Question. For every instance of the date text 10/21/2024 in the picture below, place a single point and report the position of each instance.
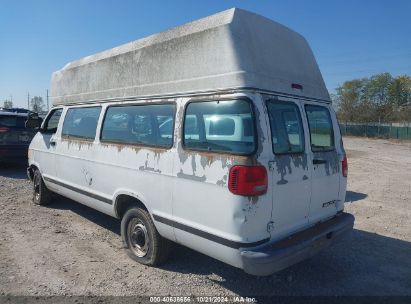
(202, 299)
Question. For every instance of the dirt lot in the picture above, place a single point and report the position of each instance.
(69, 249)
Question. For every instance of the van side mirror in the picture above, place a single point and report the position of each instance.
(33, 123)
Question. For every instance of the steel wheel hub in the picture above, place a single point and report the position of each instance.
(138, 238)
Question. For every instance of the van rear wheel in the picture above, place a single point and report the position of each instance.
(143, 242)
(41, 194)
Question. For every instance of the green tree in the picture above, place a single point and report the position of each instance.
(37, 104)
(348, 99)
(380, 98)
(377, 89)
(7, 104)
(400, 90)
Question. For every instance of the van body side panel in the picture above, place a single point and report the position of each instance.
(74, 170)
(139, 172)
(102, 171)
(76, 174)
(202, 201)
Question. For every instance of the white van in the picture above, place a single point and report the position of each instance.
(218, 135)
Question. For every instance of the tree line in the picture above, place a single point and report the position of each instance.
(379, 98)
(36, 104)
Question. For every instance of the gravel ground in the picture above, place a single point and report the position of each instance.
(70, 249)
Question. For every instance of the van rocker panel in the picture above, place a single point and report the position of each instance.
(281, 254)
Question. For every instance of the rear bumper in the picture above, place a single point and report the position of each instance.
(300, 246)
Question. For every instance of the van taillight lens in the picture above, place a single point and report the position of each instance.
(344, 166)
(4, 130)
(248, 180)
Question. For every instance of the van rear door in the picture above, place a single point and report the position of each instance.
(289, 168)
(324, 162)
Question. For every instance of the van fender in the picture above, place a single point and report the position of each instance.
(164, 230)
(30, 172)
(131, 193)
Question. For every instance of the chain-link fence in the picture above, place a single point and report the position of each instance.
(379, 130)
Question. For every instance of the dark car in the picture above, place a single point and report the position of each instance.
(14, 136)
(16, 110)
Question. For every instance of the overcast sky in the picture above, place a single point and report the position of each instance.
(350, 39)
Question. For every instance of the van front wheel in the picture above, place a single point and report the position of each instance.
(41, 195)
(143, 242)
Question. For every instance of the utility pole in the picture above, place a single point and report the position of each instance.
(28, 101)
(47, 98)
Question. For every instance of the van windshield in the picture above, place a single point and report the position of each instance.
(223, 126)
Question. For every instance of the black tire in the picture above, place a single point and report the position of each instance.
(142, 241)
(41, 195)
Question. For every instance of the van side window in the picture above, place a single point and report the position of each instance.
(81, 123)
(321, 129)
(50, 126)
(286, 127)
(224, 126)
(151, 125)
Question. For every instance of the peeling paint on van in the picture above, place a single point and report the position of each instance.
(77, 144)
(251, 205)
(191, 177)
(285, 163)
(223, 182)
(332, 164)
(147, 168)
(260, 121)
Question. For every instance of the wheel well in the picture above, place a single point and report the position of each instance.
(31, 170)
(125, 202)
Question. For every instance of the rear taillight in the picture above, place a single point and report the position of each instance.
(344, 166)
(4, 130)
(248, 180)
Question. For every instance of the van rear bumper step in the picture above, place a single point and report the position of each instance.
(300, 246)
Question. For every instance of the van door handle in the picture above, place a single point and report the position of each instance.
(317, 161)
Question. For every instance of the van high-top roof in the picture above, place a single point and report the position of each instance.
(234, 49)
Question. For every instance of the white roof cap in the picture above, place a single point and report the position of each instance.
(229, 50)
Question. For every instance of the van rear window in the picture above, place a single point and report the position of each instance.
(287, 134)
(321, 129)
(150, 125)
(220, 126)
